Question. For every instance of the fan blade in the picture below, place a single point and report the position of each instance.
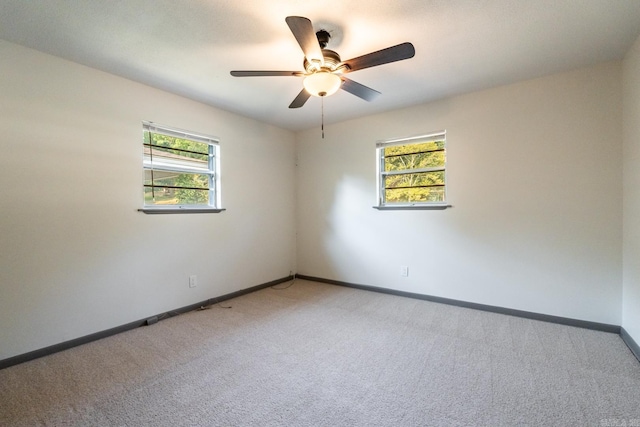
(265, 73)
(359, 90)
(300, 99)
(384, 56)
(302, 30)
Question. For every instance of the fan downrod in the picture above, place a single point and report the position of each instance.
(323, 38)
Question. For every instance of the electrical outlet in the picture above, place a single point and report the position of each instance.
(404, 271)
(193, 281)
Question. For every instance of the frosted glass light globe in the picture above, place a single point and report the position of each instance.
(322, 83)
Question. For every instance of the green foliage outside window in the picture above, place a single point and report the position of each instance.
(164, 187)
(416, 184)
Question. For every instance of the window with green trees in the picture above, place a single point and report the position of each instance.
(180, 168)
(412, 171)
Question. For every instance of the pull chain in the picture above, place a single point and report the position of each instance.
(322, 126)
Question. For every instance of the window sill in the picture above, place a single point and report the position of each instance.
(180, 210)
(431, 206)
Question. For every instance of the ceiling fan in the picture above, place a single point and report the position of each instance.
(324, 70)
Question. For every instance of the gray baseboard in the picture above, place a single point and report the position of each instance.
(5, 363)
(630, 342)
(494, 309)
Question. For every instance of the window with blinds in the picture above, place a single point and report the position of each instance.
(412, 171)
(180, 168)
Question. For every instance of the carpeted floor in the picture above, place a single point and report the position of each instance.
(323, 355)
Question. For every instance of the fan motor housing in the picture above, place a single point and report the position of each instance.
(331, 62)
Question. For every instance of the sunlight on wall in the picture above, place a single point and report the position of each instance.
(352, 242)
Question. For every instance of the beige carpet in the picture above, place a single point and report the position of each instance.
(322, 355)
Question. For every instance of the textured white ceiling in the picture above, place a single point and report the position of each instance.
(189, 46)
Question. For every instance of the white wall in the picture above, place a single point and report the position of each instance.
(534, 176)
(76, 257)
(631, 213)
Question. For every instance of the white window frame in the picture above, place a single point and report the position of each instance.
(382, 204)
(213, 170)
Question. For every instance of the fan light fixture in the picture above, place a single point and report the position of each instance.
(322, 83)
